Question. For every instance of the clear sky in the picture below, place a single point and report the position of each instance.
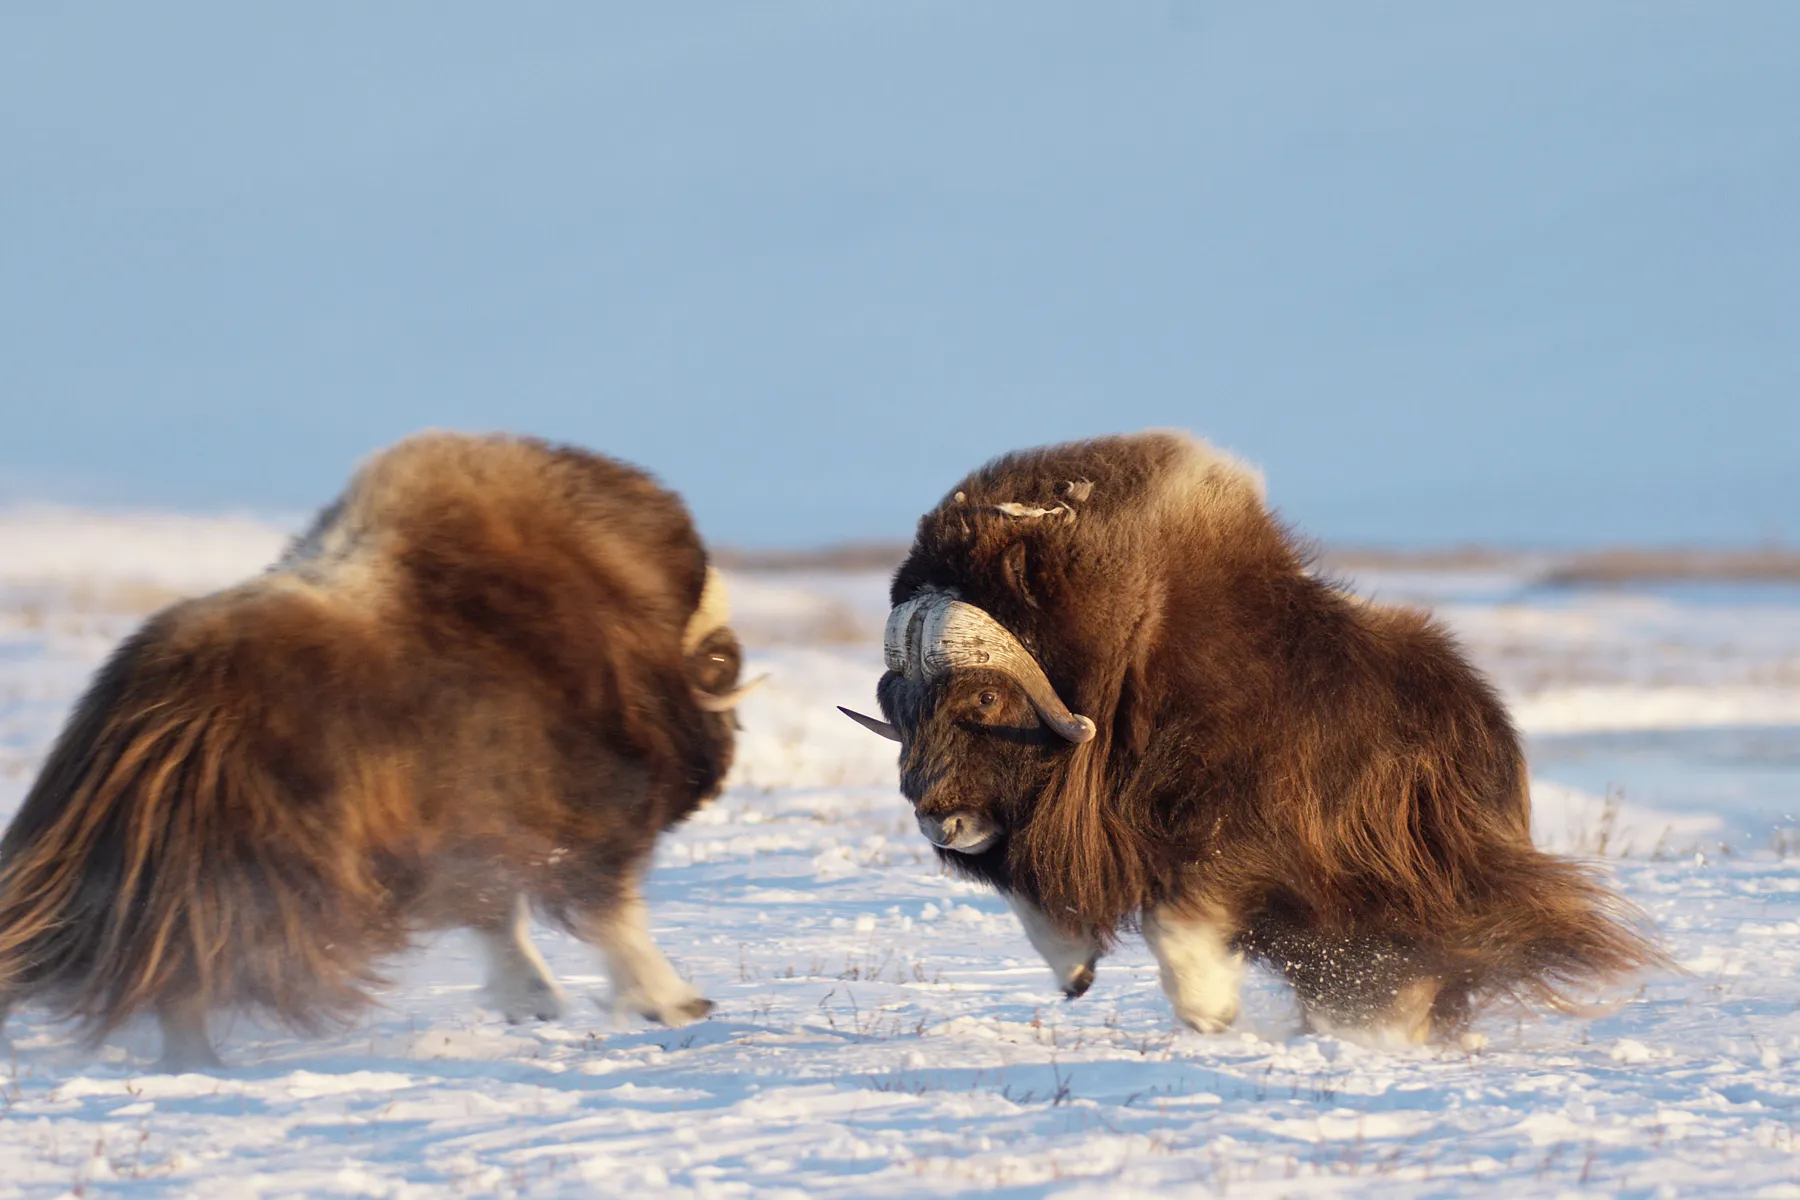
(1523, 271)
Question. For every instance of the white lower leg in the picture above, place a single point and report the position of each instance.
(185, 1046)
(1201, 974)
(1071, 958)
(519, 982)
(643, 980)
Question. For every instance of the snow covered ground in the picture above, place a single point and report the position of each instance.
(884, 1030)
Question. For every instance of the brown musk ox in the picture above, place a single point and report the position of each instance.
(481, 685)
(1124, 698)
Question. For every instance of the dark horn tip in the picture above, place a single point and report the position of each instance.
(872, 724)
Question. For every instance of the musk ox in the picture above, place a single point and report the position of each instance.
(1123, 697)
(482, 684)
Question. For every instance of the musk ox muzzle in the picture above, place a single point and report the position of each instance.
(934, 632)
(965, 831)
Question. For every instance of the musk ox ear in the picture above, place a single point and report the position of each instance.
(1134, 720)
(1015, 565)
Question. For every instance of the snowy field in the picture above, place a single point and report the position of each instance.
(883, 1030)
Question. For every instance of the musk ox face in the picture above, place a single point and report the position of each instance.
(979, 721)
(975, 755)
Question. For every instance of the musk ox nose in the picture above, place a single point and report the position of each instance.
(964, 830)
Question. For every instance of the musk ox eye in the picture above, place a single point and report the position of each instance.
(715, 662)
(988, 699)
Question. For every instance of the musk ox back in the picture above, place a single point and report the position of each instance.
(482, 683)
(1123, 697)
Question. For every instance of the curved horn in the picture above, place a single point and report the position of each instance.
(955, 634)
(726, 701)
(934, 632)
(714, 612)
(872, 725)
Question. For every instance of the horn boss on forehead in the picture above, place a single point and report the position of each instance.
(934, 632)
(713, 612)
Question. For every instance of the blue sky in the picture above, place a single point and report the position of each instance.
(1523, 272)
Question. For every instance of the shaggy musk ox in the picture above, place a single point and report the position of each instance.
(1122, 697)
(482, 684)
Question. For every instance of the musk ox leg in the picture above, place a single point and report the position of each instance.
(185, 1045)
(1200, 971)
(643, 980)
(1404, 1018)
(519, 982)
(1369, 988)
(1071, 958)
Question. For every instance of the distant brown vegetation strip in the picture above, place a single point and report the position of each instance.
(1433, 558)
(1767, 565)
(849, 556)
(1615, 565)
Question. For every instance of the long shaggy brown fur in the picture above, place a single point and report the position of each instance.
(467, 682)
(1332, 774)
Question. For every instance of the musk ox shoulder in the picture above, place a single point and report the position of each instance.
(1123, 697)
(481, 684)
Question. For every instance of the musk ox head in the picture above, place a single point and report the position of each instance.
(985, 720)
(1025, 657)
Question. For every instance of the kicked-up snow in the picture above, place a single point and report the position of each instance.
(884, 1030)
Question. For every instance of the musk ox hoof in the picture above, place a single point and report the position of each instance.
(187, 1060)
(525, 994)
(541, 1002)
(680, 1013)
(1078, 982)
(1208, 1024)
(698, 1008)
